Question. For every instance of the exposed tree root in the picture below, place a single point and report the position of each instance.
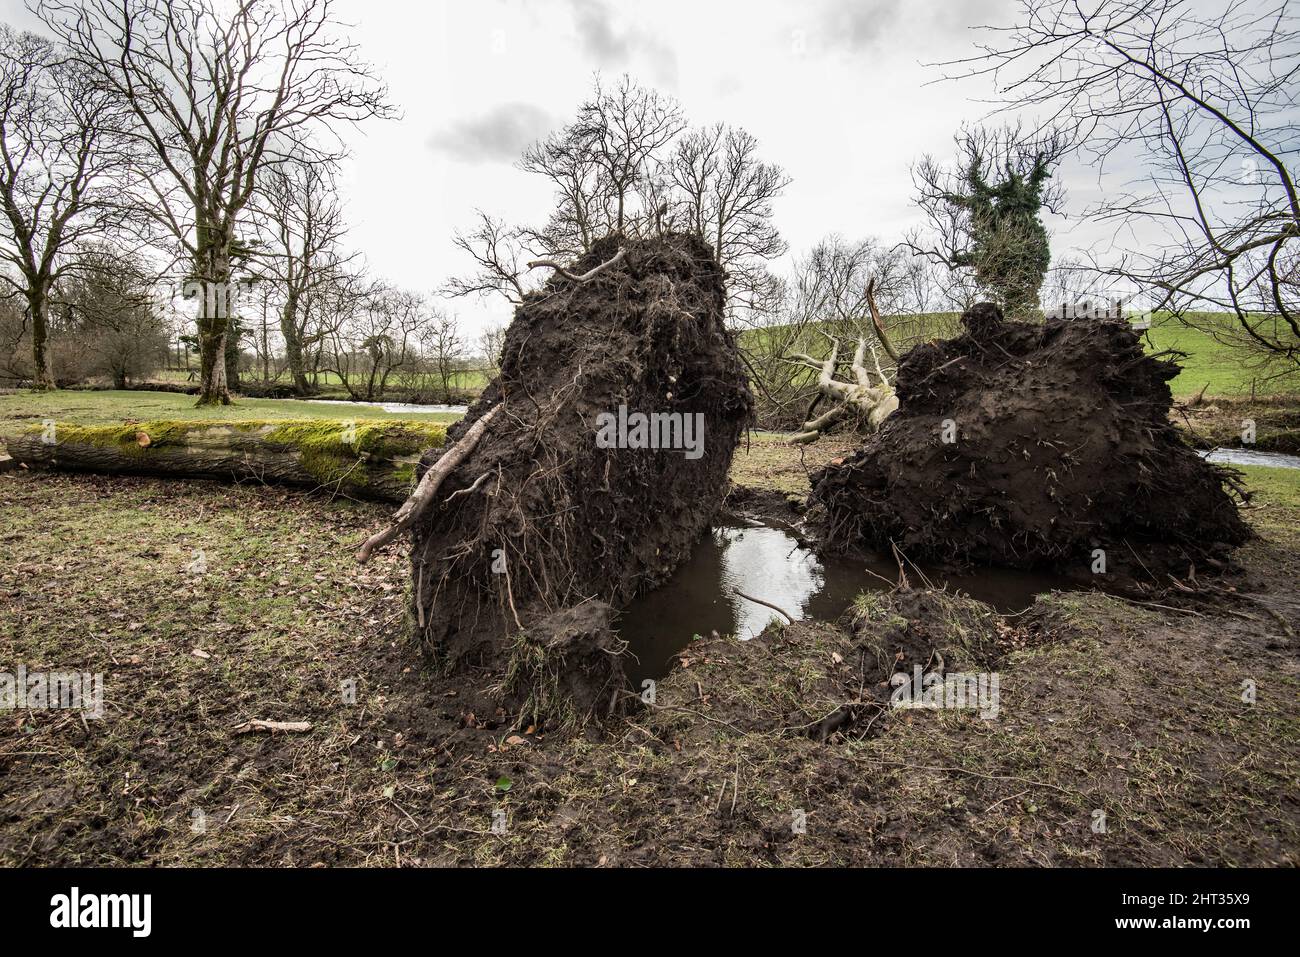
(425, 491)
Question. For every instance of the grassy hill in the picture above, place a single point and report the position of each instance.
(1227, 370)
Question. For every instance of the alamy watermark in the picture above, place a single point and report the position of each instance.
(678, 431)
(975, 691)
(217, 300)
(52, 691)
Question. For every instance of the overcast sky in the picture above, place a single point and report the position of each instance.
(836, 91)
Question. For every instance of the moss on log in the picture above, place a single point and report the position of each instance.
(366, 458)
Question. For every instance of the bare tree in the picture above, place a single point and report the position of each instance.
(622, 130)
(726, 195)
(605, 170)
(581, 214)
(302, 220)
(499, 253)
(217, 95)
(492, 342)
(57, 161)
(108, 310)
(444, 349)
(623, 167)
(376, 335)
(1205, 100)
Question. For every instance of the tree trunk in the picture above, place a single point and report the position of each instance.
(377, 462)
(213, 269)
(293, 344)
(37, 307)
(212, 369)
(230, 354)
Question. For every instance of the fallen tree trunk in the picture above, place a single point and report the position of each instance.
(368, 459)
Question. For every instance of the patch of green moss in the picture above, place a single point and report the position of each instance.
(333, 451)
(378, 437)
(106, 436)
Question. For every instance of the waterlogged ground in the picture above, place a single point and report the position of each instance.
(1126, 734)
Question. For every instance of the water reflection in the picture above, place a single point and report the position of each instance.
(769, 563)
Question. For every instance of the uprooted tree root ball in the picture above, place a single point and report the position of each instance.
(566, 496)
(1032, 445)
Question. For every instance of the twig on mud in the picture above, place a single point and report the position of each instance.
(295, 727)
(759, 601)
(1009, 797)
(1189, 611)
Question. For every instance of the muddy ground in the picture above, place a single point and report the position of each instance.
(1106, 706)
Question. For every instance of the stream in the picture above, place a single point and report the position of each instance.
(767, 561)
(396, 407)
(1251, 457)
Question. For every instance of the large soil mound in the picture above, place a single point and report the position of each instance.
(1023, 444)
(557, 517)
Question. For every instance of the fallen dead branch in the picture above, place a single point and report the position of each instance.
(371, 460)
(872, 403)
(428, 486)
(272, 727)
(876, 321)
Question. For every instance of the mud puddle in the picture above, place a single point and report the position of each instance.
(768, 562)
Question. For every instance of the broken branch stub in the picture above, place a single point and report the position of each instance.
(877, 323)
(584, 277)
(860, 399)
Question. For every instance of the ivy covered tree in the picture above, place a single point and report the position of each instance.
(985, 211)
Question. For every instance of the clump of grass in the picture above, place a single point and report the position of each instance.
(534, 675)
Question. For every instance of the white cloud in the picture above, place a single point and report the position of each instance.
(498, 134)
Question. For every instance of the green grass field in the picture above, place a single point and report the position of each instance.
(1226, 370)
(94, 408)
